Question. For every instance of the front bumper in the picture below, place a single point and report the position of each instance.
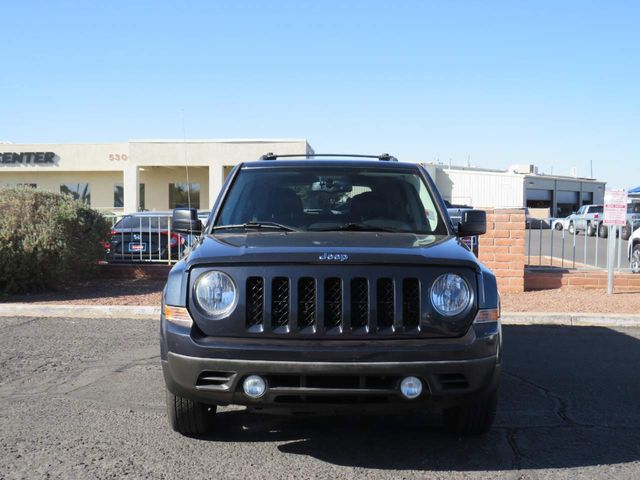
(344, 375)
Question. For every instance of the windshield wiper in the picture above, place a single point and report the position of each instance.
(355, 227)
(256, 225)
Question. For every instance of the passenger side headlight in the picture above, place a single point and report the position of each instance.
(450, 295)
(216, 294)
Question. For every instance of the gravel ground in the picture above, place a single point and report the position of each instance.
(85, 399)
(569, 301)
(148, 292)
(99, 292)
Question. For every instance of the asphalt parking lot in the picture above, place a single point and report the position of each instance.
(84, 399)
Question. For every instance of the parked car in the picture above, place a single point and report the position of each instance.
(559, 224)
(633, 222)
(145, 236)
(634, 251)
(322, 285)
(584, 220)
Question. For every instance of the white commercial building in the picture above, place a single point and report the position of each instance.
(516, 187)
(138, 174)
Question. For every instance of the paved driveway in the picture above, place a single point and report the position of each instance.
(84, 399)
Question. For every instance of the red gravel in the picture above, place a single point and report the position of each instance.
(148, 292)
(100, 292)
(570, 301)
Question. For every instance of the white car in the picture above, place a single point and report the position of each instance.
(634, 251)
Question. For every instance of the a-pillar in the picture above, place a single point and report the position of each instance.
(216, 178)
(131, 188)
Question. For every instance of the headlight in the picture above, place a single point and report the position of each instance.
(450, 294)
(216, 294)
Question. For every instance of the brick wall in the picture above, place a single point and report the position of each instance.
(502, 248)
(550, 278)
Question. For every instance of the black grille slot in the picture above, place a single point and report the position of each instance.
(332, 302)
(359, 302)
(410, 302)
(453, 381)
(385, 303)
(280, 302)
(255, 301)
(306, 302)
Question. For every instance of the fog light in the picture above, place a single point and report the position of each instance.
(411, 387)
(254, 386)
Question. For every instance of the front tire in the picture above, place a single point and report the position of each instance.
(558, 226)
(635, 259)
(189, 417)
(591, 230)
(572, 229)
(474, 418)
(626, 232)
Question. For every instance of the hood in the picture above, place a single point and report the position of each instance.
(331, 247)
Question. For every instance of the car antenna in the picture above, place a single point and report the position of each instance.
(186, 163)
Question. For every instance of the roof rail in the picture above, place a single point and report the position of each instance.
(384, 157)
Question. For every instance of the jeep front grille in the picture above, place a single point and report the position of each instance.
(255, 301)
(333, 305)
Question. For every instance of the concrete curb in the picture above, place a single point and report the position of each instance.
(153, 313)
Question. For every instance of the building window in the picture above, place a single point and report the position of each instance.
(118, 196)
(183, 194)
(79, 191)
(141, 197)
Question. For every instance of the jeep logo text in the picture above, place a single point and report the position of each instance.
(342, 257)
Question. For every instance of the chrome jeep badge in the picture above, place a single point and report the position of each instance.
(341, 257)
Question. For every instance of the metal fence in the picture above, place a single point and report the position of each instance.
(551, 247)
(145, 238)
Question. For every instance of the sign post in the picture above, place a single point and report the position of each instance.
(615, 216)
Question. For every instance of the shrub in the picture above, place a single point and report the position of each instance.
(47, 240)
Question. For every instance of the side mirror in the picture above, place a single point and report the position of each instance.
(185, 220)
(473, 222)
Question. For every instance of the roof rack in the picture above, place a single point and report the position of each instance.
(383, 157)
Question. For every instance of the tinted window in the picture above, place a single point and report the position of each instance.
(184, 195)
(143, 222)
(79, 191)
(317, 198)
(633, 208)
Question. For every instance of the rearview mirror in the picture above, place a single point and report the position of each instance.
(185, 220)
(473, 222)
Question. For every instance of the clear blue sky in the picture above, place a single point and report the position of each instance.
(502, 82)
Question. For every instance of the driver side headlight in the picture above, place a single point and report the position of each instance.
(216, 294)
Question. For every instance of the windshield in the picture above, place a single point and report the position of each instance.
(335, 198)
(143, 222)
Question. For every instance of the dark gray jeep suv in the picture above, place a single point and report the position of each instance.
(331, 284)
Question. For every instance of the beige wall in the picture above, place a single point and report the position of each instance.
(157, 179)
(156, 163)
